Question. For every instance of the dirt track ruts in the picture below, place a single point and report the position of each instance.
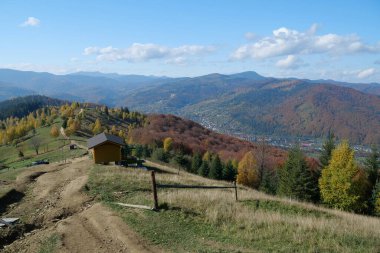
(56, 203)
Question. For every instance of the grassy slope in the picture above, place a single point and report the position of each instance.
(211, 220)
(50, 149)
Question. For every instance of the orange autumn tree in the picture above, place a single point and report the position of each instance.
(248, 173)
(54, 132)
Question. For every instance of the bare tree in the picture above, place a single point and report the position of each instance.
(35, 142)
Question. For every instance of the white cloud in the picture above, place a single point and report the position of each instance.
(31, 21)
(285, 41)
(366, 73)
(138, 52)
(177, 61)
(290, 62)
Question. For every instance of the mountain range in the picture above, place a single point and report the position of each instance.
(246, 103)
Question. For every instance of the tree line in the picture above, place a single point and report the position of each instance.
(335, 179)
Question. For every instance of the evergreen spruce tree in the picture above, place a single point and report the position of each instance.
(372, 164)
(269, 182)
(159, 154)
(138, 151)
(204, 169)
(327, 148)
(216, 168)
(64, 123)
(146, 151)
(296, 179)
(229, 172)
(180, 160)
(196, 162)
(375, 200)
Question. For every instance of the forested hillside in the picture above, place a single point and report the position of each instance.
(245, 103)
(195, 138)
(269, 106)
(22, 106)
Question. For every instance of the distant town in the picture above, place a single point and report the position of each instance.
(310, 145)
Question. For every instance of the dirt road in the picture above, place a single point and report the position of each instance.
(55, 203)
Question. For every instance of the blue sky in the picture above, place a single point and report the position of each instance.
(309, 39)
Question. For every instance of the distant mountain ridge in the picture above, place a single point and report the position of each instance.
(282, 107)
(84, 87)
(245, 102)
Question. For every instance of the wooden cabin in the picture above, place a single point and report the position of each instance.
(106, 148)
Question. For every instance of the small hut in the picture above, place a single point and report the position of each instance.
(106, 148)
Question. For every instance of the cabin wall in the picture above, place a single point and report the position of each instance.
(106, 153)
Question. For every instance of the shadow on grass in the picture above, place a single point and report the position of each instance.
(187, 212)
(157, 170)
(13, 196)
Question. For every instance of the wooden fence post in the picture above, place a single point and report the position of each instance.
(154, 189)
(236, 197)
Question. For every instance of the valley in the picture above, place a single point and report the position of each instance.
(243, 103)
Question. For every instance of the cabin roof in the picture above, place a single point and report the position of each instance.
(102, 138)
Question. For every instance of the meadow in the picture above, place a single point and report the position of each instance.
(191, 220)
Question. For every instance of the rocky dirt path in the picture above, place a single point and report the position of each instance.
(55, 203)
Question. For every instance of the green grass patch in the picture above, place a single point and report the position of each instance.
(50, 149)
(284, 208)
(15, 168)
(9, 153)
(4, 189)
(50, 244)
(11, 173)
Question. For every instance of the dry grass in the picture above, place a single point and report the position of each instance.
(256, 221)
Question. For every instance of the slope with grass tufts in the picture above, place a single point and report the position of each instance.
(192, 220)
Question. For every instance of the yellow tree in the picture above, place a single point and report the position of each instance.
(248, 173)
(73, 125)
(70, 121)
(2, 138)
(168, 144)
(114, 130)
(207, 156)
(97, 127)
(121, 134)
(54, 132)
(342, 183)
